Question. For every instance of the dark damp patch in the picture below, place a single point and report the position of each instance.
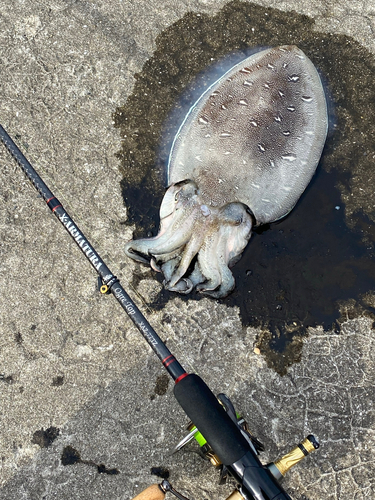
(8, 379)
(57, 381)
(282, 349)
(161, 385)
(44, 438)
(71, 456)
(162, 472)
(102, 469)
(301, 271)
(18, 338)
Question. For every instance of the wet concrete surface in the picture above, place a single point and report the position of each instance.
(303, 269)
(77, 380)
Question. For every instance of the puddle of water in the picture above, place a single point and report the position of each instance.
(297, 272)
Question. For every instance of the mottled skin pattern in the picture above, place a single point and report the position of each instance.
(243, 155)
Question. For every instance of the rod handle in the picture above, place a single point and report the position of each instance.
(212, 421)
(153, 492)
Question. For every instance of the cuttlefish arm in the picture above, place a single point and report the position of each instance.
(191, 231)
(224, 248)
(176, 215)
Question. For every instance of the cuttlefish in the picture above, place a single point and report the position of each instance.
(243, 156)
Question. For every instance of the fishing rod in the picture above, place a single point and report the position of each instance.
(221, 433)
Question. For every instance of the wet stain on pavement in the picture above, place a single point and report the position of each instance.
(71, 456)
(161, 385)
(18, 338)
(8, 379)
(161, 472)
(58, 381)
(44, 438)
(315, 267)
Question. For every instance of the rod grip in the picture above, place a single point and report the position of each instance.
(153, 492)
(210, 418)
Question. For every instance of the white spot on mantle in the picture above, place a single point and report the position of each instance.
(205, 210)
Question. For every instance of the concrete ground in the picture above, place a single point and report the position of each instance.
(86, 409)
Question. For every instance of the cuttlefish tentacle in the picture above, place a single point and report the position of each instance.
(191, 250)
(207, 262)
(139, 249)
(176, 224)
(183, 285)
(157, 261)
(228, 242)
(197, 277)
(177, 236)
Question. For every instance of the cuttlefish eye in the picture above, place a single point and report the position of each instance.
(176, 196)
(185, 190)
(236, 214)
